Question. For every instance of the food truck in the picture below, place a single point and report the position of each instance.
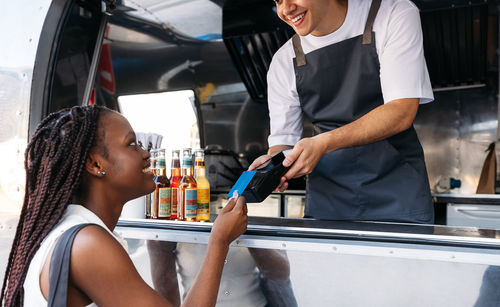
(196, 69)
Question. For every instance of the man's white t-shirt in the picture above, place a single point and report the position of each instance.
(398, 40)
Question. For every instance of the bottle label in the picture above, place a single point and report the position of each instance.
(199, 163)
(174, 201)
(187, 163)
(203, 202)
(164, 204)
(161, 163)
(191, 203)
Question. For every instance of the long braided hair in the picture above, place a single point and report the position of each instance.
(54, 162)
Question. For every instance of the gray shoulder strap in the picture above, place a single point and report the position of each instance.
(367, 34)
(59, 267)
(299, 53)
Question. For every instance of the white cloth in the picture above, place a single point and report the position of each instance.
(239, 284)
(74, 215)
(398, 40)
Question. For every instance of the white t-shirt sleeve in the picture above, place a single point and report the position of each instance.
(283, 101)
(403, 71)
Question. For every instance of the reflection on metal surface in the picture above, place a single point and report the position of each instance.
(182, 15)
(455, 88)
(8, 224)
(486, 199)
(244, 269)
(17, 59)
(476, 215)
(455, 131)
(122, 34)
(369, 232)
(331, 273)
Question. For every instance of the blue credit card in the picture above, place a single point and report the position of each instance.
(242, 183)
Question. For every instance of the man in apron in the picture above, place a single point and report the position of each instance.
(356, 69)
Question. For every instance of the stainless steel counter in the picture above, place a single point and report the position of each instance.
(333, 263)
(481, 199)
(310, 230)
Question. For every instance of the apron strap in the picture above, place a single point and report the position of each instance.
(299, 53)
(367, 34)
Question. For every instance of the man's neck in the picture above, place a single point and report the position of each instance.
(338, 11)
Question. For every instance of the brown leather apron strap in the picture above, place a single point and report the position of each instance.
(299, 53)
(367, 34)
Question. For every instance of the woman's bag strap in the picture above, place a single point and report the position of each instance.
(59, 267)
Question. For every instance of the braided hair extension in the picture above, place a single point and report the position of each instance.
(54, 162)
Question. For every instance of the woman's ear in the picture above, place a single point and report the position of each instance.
(93, 165)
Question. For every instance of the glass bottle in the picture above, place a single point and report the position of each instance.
(188, 200)
(150, 197)
(203, 186)
(175, 178)
(162, 198)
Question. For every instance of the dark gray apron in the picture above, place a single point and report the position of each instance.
(385, 180)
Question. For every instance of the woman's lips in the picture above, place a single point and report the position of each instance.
(147, 171)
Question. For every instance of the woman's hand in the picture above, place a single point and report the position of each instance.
(231, 222)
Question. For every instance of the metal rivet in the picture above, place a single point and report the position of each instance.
(227, 293)
(334, 248)
(30, 40)
(225, 261)
(452, 256)
(237, 242)
(156, 236)
(283, 244)
(391, 252)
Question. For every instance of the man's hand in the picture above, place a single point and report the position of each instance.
(305, 156)
(257, 162)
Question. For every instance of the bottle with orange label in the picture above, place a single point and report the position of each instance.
(162, 198)
(203, 186)
(187, 207)
(175, 179)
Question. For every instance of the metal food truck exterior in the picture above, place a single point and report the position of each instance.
(214, 55)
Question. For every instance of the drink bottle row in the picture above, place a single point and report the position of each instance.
(183, 196)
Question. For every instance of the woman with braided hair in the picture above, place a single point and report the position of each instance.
(82, 165)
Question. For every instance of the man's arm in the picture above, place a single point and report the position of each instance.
(380, 123)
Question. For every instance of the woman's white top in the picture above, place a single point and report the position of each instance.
(239, 284)
(74, 215)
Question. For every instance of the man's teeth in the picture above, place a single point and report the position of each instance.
(297, 18)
